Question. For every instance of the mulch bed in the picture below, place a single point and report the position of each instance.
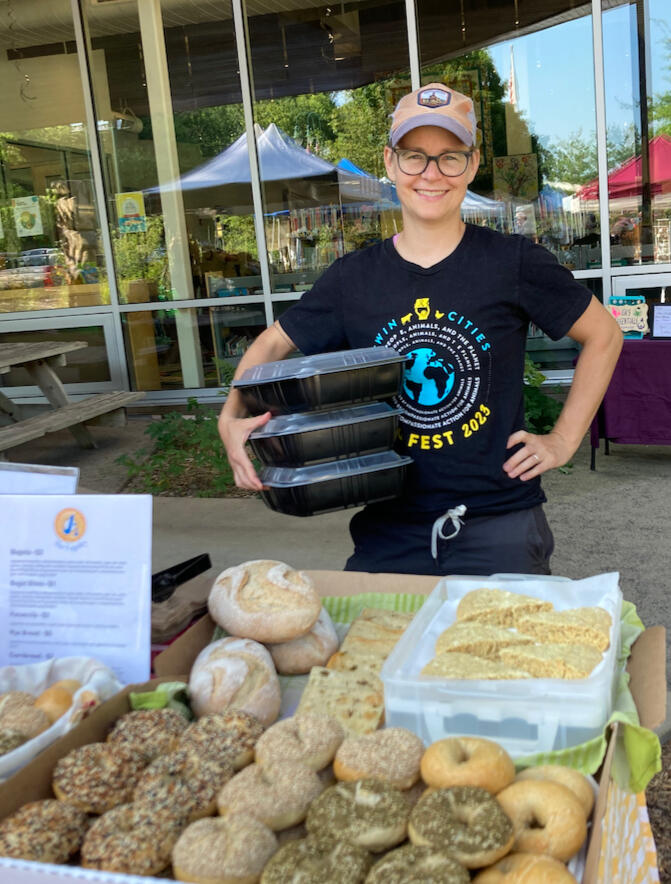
(658, 797)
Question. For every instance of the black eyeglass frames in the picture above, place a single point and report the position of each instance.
(450, 163)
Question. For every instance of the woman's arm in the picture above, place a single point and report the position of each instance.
(601, 339)
(234, 424)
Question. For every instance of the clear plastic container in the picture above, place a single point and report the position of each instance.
(296, 439)
(326, 380)
(337, 485)
(525, 716)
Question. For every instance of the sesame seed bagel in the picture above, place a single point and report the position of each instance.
(277, 794)
(152, 732)
(467, 761)
(228, 735)
(47, 831)
(370, 813)
(418, 865)
(392, 754)
(318, 860)
(223, 850)
(98, 776)
(526, 868)
(466, 821)
(309, 739)
(131, 839)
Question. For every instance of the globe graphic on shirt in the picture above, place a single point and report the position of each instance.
(427, 380)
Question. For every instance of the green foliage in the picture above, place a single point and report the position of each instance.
(187, 458)
(540, 410)
(142, 255)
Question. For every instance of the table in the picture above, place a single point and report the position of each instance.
(40, 359)
(636, 409)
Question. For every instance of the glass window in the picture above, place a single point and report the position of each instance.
(637, 64)
(535, 112)
(86, 366)
(50, 246)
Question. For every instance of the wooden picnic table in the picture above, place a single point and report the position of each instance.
(40, 359)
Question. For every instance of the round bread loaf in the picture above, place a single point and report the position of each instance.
(97, 777)
(567, 776)
(370, 813)
(229, 736)
(226, 850)
(467, 821)
(548, 818)
(47, 831)
(418, 865)
(18, 713)
(318, 860)
(131, 839)
(235, 673)
(264, 600)
(151, 732)
(309, 739)
(277, 794)
(526, 868)
(392, 754)
(54, 702)
(467, 761)
(312, 649)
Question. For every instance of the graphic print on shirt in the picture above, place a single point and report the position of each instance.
(446, 377)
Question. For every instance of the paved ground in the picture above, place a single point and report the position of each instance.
(616, 518)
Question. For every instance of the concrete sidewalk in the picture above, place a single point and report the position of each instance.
(616, 518)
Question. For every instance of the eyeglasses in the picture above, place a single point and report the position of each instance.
(452, 163)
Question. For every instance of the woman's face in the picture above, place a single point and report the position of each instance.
(431, 196)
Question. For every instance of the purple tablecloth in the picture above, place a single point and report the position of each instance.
(636, 409)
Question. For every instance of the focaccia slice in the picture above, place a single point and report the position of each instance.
(355, 699)
(376, 630)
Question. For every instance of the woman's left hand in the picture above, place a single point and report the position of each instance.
(537, 455)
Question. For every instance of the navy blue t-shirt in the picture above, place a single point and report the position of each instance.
(462, 326)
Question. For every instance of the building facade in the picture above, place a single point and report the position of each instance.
(174, 173)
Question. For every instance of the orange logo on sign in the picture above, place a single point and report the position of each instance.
(70, 525)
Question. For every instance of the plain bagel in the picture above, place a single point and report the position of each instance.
(567, 776)
(467, 761)
(526, 868)
(264, 600)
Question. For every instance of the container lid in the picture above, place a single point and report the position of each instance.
(289, 477)
(288, 424)
(321, 363)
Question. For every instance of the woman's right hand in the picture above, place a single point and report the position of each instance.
(234, 432)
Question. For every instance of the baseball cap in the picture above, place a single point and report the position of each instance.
(434, 105)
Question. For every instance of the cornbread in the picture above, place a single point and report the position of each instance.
(152, 732)
(457, 665)
(467, 818)
(411, 864)
(369, 813)
(47, 831)
(586, 626)
(131, 839)
(498, 606)
(183, 782)
(228, 850)
(480, 639)
(355, 699)
(553, 661)
(311, 740)
(98, 776)
(392, 754)
(277, 794)
(318, 860)
(229, 736)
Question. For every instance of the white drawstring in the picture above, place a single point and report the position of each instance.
(454, 515)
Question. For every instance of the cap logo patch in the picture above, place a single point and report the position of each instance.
(433, 98)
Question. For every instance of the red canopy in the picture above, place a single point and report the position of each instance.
(626, 179)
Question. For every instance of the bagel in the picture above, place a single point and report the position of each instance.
(309, 739)
(467, 761)
(567, 776)
(392, 754)
(547, 817)
(422, 865)
(526, 868)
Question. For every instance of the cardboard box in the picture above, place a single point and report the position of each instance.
(648, 685)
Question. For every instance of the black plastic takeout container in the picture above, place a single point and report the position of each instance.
(337, 485)
(327, 380)
(291, 440)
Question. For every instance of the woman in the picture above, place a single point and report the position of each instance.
(456, 300)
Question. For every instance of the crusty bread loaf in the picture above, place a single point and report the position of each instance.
(553, 661)
(356, 700)
(481, 639)
(235, 673)
(264, 600)
(312, 649)
(498, 606)
(587, 626)
(456, 665)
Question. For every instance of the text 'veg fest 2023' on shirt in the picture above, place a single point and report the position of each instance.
(462, 327)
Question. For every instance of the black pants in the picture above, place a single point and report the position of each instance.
(520, 542)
